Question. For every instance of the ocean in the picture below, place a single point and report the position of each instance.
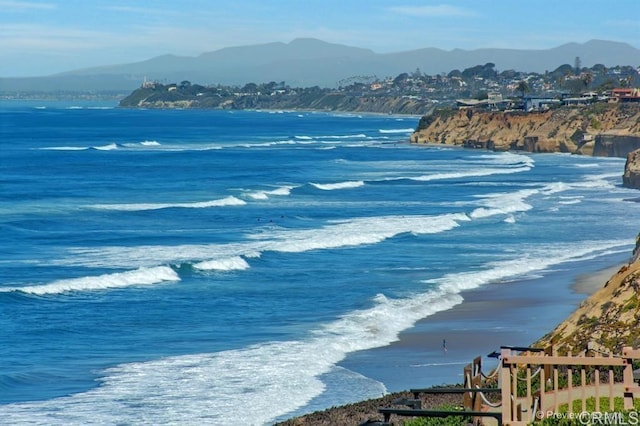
(233, 267)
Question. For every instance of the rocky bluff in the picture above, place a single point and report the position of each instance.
(601, 129)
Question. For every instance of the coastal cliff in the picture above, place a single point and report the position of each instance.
(609, 319)
(156, 96)
(631, 176)
(600, 129)
(605, 322)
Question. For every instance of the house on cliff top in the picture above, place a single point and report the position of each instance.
(625, 95)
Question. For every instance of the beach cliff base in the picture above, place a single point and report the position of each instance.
(608, 319)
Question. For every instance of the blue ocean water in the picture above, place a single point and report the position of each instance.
(215, 267)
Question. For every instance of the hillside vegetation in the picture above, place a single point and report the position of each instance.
(609, 319)
(273, 97)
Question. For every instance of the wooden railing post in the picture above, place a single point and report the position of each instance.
(627, 376)
(583, 383)
(505, 384)
(570, 386)
(611, 378)
(543, 383)
(596, 380)
(467, 402)
(537, 401)
(556, 404)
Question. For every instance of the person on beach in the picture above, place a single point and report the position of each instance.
(444, 345)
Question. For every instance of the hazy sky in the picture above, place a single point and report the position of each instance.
(41, 37)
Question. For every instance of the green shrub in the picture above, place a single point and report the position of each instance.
(441, 421)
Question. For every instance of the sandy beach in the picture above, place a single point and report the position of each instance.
(508, 314)
(590, 283)
(500, 314)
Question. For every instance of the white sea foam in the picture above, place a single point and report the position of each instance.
(469, 173)
(150, 144)
(407, 130)
(338, 185)
(334, 235)
(276, 377)
(356, 136)
(141, 276)
(109, 147)
(236, 263)
(510, 219)
(505, 203)
(533, 260)
(333, 138)
(506, 158)
(223, 202)
(264, 195)
(359, 231)
(572, 201)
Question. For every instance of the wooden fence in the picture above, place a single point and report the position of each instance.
(549, 380)
(533, 384)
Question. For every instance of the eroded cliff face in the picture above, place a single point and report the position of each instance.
(631, 176)
(608, 320)
(572, 130)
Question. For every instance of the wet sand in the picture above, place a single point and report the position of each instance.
(590, 283)
(501, 314)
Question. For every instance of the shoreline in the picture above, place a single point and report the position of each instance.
(516, 313)
(493, 315)
(589, 283)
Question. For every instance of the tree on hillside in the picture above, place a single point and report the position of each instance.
(574, 85)
(562, 71)
(523, 87)
(250, 88)
(482, 95)
(587, 79)
(608, 84)
(485, 71)
(401, 78)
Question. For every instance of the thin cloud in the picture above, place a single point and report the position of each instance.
(44, 39)
(442, 10)
(128, 9)
(140, 10)
(24, 5)
(627, 23)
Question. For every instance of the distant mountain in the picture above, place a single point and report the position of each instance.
(310, 62)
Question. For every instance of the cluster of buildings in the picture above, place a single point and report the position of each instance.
(496, 102)
(483, 87)
(477, 87)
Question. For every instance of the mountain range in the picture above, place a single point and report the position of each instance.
(310, 62)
